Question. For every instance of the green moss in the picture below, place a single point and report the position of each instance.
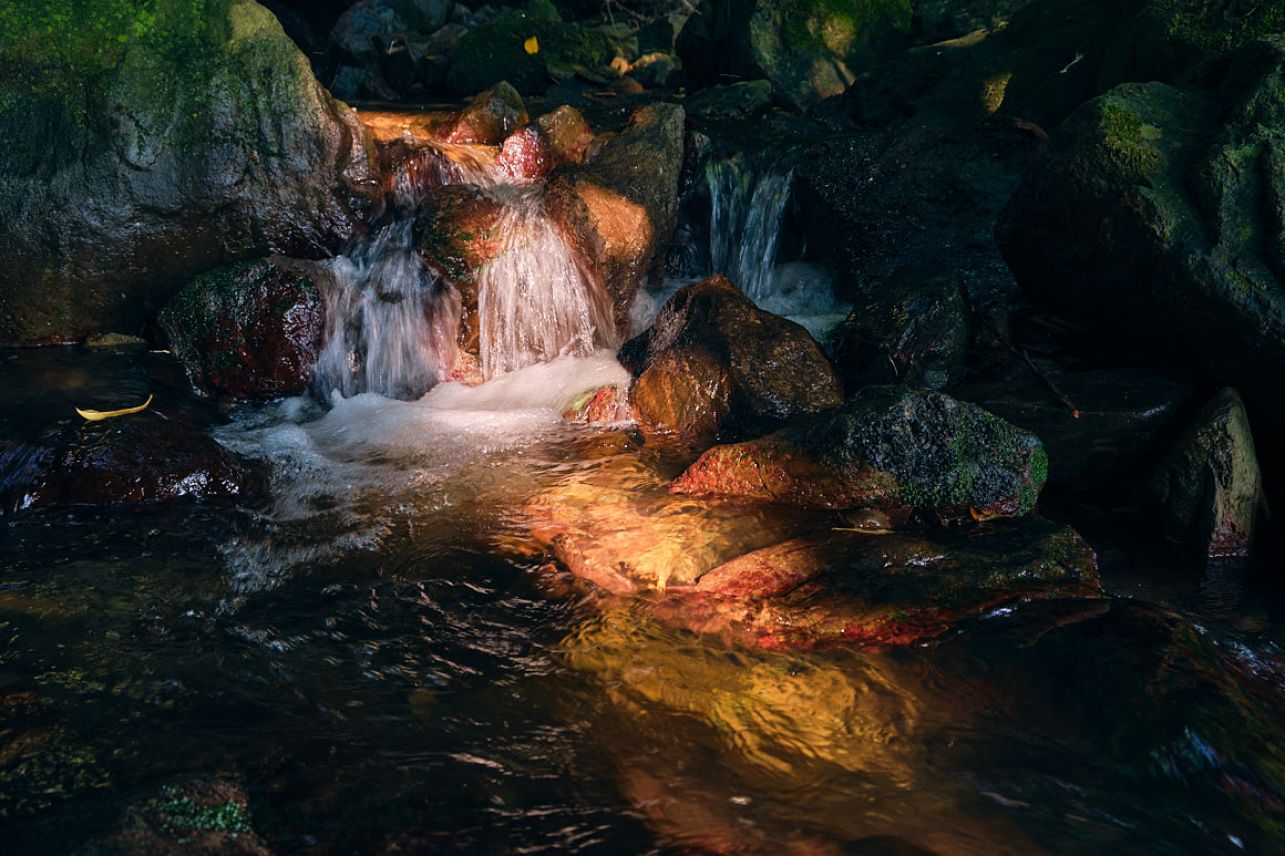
(179, 813)
(841, 26)
(1217, 26)
(1129, 138)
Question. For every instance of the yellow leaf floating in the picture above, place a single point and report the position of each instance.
(99, 415)
(531, 45)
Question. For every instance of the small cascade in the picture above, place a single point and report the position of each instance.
(747, 207)
(393, 325)
(534, 302)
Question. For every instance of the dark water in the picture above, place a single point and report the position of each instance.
(397, 672)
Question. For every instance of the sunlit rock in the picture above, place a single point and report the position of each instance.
(715, 366)
(490, 116)
(887, 447)
(865, 589)
(618, 211)
(619, 530)
(249, 331)
(560, 137)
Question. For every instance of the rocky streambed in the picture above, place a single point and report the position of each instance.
(872, 454)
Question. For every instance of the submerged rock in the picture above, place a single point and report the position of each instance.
(618, 210)
(715, 366)
(808, 49)
(619, 530)
(155, 145)
(250, 331)
(889, 448)
(913, 330)
(1210, 486)
(885, 589)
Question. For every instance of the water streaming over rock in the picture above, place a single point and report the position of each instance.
(534, 302)
(747, 209)
(393, 325)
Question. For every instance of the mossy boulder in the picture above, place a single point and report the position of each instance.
(808, 50)
(1209, 486)
(713, 366)
(148, 142)
(502, 49)
(249, 331)
(911, 329)
(1153, 215)
(891, 448)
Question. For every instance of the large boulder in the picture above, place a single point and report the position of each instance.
(715, 366)
(1209, 485)
(618, 210)
(251, 330)
(911, 329)
(146, 144)
(1153, 215)
(808, 50)
(891, 448)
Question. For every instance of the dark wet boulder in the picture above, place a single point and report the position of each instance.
(491, 115)
(715, 366)
(887, 589)
(1150, 215)
(743, 100)
(618, 210)
(146, 145)
(1209, 485)
(556, 138)
(890, 448)
(912, 329)
(154, 456)
(502, 49)
(249, 331)
(1107, 434)
(808, 49)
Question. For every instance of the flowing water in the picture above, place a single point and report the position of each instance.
(382, 660)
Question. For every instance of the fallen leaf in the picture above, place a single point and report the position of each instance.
(99, 415)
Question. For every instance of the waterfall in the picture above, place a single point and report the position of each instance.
(747, 206)
(393, 326)
(534, 302)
